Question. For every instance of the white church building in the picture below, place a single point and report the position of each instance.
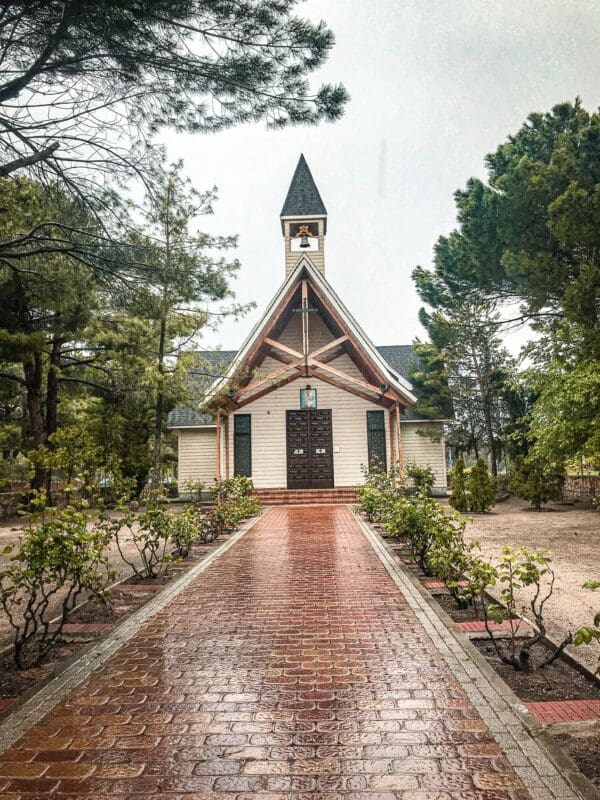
(308, 400)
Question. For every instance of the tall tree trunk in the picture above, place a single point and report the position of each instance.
(487, 415)
(52, 405)
(33, 370)
(159, 410)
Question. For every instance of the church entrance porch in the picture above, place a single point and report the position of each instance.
(309, 449)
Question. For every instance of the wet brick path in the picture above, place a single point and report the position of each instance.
(292, 668)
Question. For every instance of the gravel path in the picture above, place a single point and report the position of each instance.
(573, 535)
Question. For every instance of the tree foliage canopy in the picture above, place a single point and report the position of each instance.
(74, 70)
(531, 232)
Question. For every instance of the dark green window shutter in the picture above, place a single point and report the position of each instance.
(376, 439)
(242, 445)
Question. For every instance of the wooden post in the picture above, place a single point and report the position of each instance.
(226, 421)
(305, 325)
(392, 448)
(218, 445)
(399, 437)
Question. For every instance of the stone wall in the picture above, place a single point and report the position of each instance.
(581, 488)
(9, 504)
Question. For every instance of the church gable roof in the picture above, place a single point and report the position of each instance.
(380, 384)
(399, 357)
(303, 198)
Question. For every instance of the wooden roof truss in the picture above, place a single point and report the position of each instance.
(304, 297)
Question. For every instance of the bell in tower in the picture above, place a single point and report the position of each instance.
(303, 220)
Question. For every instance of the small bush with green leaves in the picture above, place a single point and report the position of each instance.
(184, 531)
(458, 498)
(481, 495)
(417, 521)
(422, 477)
(536, 479)
(148, 531)
(501, 484)
(378, 494)
(60, 558)
(519, 570)
(589, 634)
(236, 501)
(452, 559)
(194, 490)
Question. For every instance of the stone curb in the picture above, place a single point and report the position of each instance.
(26, 712)
(544, 769)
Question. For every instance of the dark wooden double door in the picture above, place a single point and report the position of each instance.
(309, 449)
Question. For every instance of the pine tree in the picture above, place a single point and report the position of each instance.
(481, 494)
(458, 498)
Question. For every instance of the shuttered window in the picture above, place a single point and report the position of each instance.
(376, 439)
(242, 445)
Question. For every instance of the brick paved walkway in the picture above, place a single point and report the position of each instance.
(292, 668)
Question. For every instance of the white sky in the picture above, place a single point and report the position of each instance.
(435, 85)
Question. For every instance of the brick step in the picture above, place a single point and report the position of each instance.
(564, 710)
(477, 630)
(306, 496)
(441, 584)
(79, 628)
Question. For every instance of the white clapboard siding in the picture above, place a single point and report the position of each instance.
(197, 455)
(349, 423)
(420, 448)
(318, 333)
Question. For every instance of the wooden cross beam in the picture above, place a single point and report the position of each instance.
(284, 348)
(271, 377)
(344, 376)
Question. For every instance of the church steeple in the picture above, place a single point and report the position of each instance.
(303, 220)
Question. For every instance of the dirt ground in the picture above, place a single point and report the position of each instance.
(10, 532)
(573, 535)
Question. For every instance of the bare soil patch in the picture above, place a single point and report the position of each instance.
(14, 682)
(557, 681)
(584, 748)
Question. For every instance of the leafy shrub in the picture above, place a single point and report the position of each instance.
(422, 477)
(589, 633)
(209, 527)
(517, 570)
(148, 531)
(458, 498)
(451, 559)
(480, 488)
(184, 530)
(378, 493)
(501, 484)
(536, 479)
(59, 558)
(233, 488)
(235, 501)
(194, 489)
(417, 521)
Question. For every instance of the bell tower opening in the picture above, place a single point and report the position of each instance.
(303, 220)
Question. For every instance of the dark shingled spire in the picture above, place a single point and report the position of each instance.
(303, 198)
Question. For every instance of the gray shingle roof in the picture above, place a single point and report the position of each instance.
(188, 418)
(303, 198)
(401, 357)
(211, 364)
(214, 363)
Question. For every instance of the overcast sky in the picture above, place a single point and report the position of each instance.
(435, 85)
